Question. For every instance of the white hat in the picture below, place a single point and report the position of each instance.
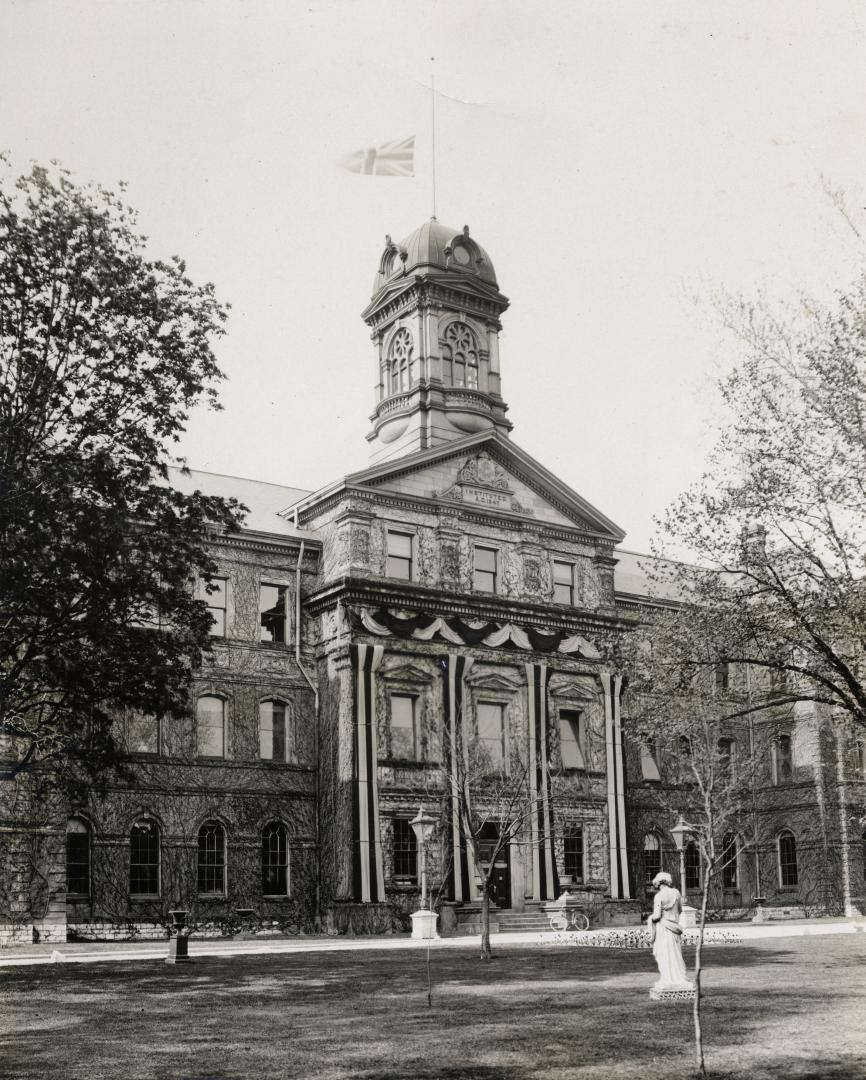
(662, 878)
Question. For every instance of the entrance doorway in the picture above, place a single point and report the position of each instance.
(500, 878)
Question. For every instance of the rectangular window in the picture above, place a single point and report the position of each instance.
(649, 760)
(404, 743)
(727, 756)
(272, 613)
(570, 739)
(216, 603)
(782, 759)
(77, 858)
(729, 861)
(563, 582)
(404, 850)
(693, 866)
(573, 853)
(210, 727)
(490, 718)
(273, 733)
(399, 556)
(484, 577)
(142, 734)
(652, 857)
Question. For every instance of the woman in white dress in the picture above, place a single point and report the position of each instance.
(664, 924)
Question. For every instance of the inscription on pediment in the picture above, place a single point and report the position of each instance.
(483, 482)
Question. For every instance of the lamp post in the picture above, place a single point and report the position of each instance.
(424, 920)
(679, 832)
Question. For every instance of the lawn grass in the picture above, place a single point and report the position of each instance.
(787, 1009)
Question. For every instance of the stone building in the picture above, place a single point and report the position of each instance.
(453, 595)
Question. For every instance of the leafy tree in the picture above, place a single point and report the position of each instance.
(103, 352)
(776, 529)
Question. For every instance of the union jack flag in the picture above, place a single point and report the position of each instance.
(395, 158)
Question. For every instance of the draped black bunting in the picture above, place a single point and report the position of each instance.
(406, 627)
(545, 874)
(454, 670)
(368, 883)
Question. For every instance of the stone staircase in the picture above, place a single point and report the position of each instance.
(532, 920)
(522, 922)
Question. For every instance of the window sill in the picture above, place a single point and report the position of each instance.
(144, 896)
(283, 897)
(406, 763)
(211, 895)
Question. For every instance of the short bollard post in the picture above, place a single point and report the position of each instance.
(178, 944)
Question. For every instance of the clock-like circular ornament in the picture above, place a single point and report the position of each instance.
(461, 255)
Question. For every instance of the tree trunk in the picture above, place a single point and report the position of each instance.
(486, 954)
(696, 1008)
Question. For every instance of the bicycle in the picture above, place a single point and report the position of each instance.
(573, 920)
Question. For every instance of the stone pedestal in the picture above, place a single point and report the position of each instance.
(178, 945)
(685, 992)
(688, 917)
(424, 925)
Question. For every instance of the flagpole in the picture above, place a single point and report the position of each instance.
(433, 132)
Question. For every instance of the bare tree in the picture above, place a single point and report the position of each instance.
(691, 721)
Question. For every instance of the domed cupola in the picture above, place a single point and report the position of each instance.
(435, 321)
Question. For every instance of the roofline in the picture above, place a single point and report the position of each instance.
(594, 517)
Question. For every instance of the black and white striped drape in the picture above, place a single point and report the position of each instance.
(545, 878)
(620, 882)
(455, 668)
(368, 880)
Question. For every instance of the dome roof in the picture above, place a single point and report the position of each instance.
(435, 246)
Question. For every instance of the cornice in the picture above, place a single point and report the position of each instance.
(270, 543)
(513, 521)
(393, 594)
(420, 290)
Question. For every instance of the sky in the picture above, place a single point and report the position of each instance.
(621, 163)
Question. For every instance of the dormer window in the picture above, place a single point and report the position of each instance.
(460, 356)
(400, 362)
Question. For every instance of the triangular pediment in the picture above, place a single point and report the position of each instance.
(490, 473)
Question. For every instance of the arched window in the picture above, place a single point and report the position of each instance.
(144, 859)
(210, 726)
(652, 857)
(787, 860)
(460, 356)
(275, 860)
(77, 857)
(400, 362)
(212, 858)
(729, 861)
(275, 735)
(692, 859)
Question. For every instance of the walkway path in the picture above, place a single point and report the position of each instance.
(95, 952)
